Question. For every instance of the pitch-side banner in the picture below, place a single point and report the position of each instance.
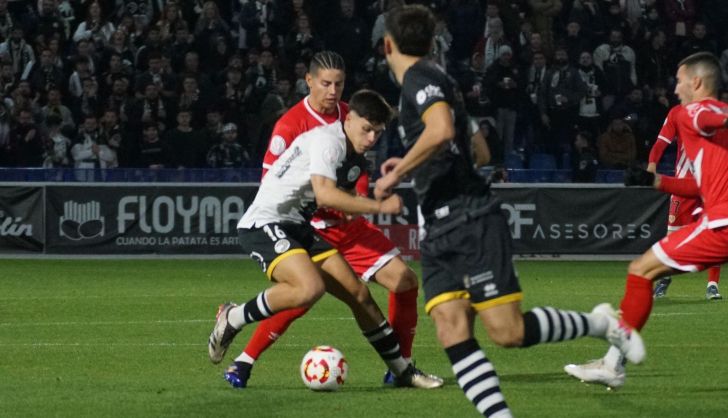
(21, 219)
(560, 220)
(186, 219)
(584, 220)
(144, 219)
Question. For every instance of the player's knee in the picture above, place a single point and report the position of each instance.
(361, 295)
(451, 329)
(637, 267)
(406, 281)
(505, 336)
(397, 277)
(308, 294)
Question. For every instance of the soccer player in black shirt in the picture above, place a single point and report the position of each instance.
(466, 249)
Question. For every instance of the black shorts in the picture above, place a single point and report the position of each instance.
(472, 260)
(271, 243)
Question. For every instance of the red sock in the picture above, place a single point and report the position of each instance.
(714, 274)
(637, 302)
(403, 318)
(270, 329)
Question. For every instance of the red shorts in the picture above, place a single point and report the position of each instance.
(682, 212)
(693, 247)
(362, 244)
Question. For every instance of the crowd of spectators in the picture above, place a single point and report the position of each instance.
(193, 84)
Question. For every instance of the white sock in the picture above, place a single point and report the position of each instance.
(244, 358)
(598, 325)
(614, 358)
(236, 317)
(712, 284)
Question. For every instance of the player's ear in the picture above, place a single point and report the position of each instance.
(309, 79)
(388, 48)
(697, 83)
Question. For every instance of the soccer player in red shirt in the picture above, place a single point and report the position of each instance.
(703, 243)
(683, 210)
(372, 256)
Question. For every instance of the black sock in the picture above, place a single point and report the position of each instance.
(385, 341)
(256, 309)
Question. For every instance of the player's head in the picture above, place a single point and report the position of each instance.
(698, 77)
(409, 30)
(368, 115)
(325, 79)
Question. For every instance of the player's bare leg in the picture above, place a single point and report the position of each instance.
(298, 284)
(342, 283)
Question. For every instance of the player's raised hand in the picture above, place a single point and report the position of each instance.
(391, 205)
(638, 176)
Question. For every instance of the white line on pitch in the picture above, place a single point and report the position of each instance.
(171, 321)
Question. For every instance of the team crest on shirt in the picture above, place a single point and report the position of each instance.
(277, 145)
(353, 173)
(281, 246)
(428, 92)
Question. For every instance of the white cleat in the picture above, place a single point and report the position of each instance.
(222, 334)
(621, 335)
(597, 372)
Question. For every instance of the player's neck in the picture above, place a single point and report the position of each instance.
(402, 64)
(699, 96)
(320, 108)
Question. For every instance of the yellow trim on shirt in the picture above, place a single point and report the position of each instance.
(440, 102)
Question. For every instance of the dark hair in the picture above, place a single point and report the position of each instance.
(326, 60)
(371, 106)
(412, 28)
(708, 68)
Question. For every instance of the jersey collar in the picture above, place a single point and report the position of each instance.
(317, 115)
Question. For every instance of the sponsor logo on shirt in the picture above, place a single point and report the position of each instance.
(287, 164)
(277, 145)
(427, 93)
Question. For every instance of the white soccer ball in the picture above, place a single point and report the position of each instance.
(324, 368)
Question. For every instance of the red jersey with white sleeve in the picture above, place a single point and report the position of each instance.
(703, 243)
(682, 209)
(700, 126)
(298, 119)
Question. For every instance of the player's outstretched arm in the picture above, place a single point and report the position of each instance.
(439, 130)
(330, 196)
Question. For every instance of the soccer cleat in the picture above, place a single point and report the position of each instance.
(416, 378)
(661, 288)
(238, 374)
(711, 293)
(596, 371)
(222, 335)
(621, 335)
(388, 378)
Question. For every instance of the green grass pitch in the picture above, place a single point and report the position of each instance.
(128, 339)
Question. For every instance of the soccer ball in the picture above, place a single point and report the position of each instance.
(324, 368)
